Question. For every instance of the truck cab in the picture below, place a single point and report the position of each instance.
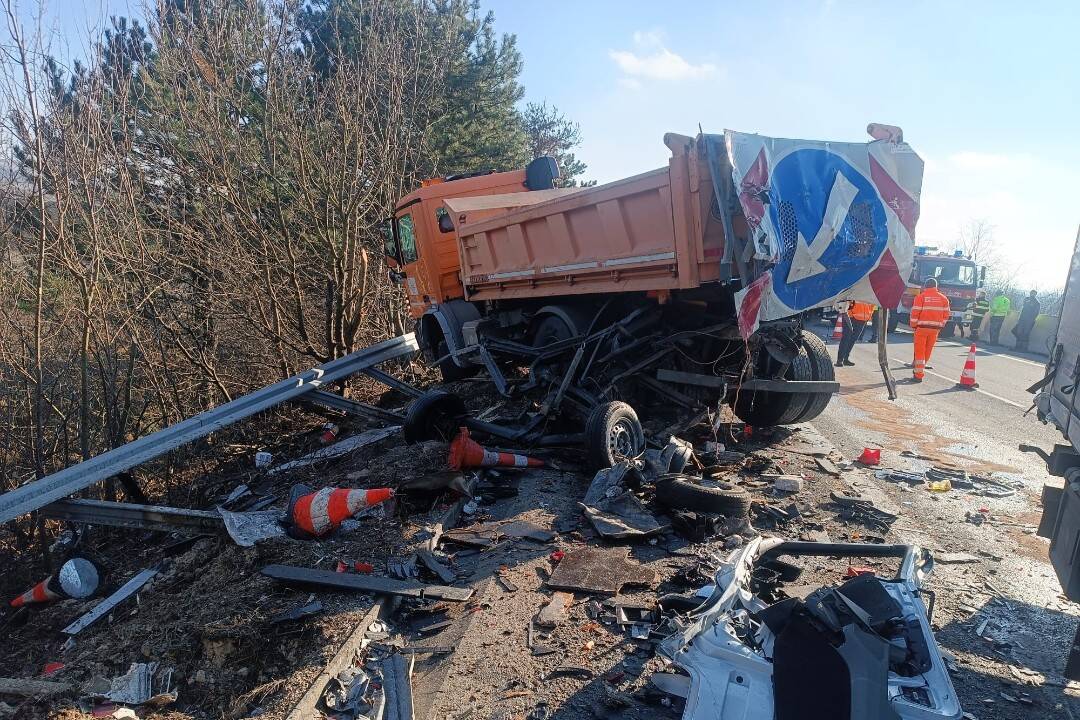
(958, 277)
(422, 246)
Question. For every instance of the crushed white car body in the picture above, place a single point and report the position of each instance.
(862, 650)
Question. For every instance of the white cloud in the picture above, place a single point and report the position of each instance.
(975, 160)
(652, 60)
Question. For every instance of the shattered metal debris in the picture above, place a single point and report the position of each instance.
(433, 564)
(571, 671)
(297, 613)
(556, 610)
(403, 568)
(365, 583)
(108, 604)
(142, 684)
(597, 570)
(526, 529)
(248, 528)
(885, 642)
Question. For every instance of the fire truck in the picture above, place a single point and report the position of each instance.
(958, 279)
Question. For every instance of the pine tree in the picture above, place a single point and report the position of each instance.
(549, 132)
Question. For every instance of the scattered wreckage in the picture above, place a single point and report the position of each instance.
(862, 650)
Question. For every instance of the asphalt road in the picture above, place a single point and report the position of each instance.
(1029, 625)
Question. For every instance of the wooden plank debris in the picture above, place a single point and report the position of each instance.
(365, 583)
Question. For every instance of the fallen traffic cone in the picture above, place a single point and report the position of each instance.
(967, 375)
(838, 329)
(314, 514)
(467, 453)
(78, 578)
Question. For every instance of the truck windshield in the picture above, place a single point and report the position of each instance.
(406, 239)
(946, 273)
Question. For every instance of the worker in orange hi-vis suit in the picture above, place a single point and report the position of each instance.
(929, 313)
(858, 314)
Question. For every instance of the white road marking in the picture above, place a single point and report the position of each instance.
(994, 354)
(978, 390)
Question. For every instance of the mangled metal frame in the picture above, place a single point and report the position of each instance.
(731, 679)
(583, 371)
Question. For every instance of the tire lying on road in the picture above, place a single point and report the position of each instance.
(680, 492)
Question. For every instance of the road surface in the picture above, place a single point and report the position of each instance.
(1029, 626)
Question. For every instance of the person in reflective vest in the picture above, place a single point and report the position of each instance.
(858, 314)
(978, 310)
(999, 308)
(929, 313)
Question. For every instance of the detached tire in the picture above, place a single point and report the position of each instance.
(821, 369)
(612, 432)
(681, 493)
(435, 415)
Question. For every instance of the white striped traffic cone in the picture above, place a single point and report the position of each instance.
(838, 329)
(315, 514)
(78, 578)
(967, 375)
(467, 453)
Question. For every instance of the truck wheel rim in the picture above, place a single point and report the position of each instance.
(621, 440)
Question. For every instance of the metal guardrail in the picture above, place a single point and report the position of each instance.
(131, 515)
(70, 480)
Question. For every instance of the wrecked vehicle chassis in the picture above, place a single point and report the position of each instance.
(863, 650)
(652, 362)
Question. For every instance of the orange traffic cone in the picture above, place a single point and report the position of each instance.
(967, 375)
(467, 453)
(838, 329)
(315, 514)
(78, 578)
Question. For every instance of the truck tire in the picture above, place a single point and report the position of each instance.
(551, 329)
(612, 433)
(949, 330)
(773, 408)
(894, 321)
(681, 493)
(435, 415)
(450, 370)
(821, 368)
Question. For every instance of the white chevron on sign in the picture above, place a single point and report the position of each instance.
(806, 262)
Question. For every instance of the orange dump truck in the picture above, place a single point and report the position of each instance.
(620, 298)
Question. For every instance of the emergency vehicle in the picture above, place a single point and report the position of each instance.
(958, 279)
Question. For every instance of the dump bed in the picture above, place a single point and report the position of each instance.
(643, 233)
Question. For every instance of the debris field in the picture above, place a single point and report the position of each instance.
(496, 592)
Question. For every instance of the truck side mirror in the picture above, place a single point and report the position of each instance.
(446, 225)
(541, 173)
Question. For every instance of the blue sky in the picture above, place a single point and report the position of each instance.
(987, 92)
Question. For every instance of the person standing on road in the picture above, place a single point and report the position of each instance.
(859, 313)
(1024, 325)
(929, 313)
(978, 310)
(999, 308)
